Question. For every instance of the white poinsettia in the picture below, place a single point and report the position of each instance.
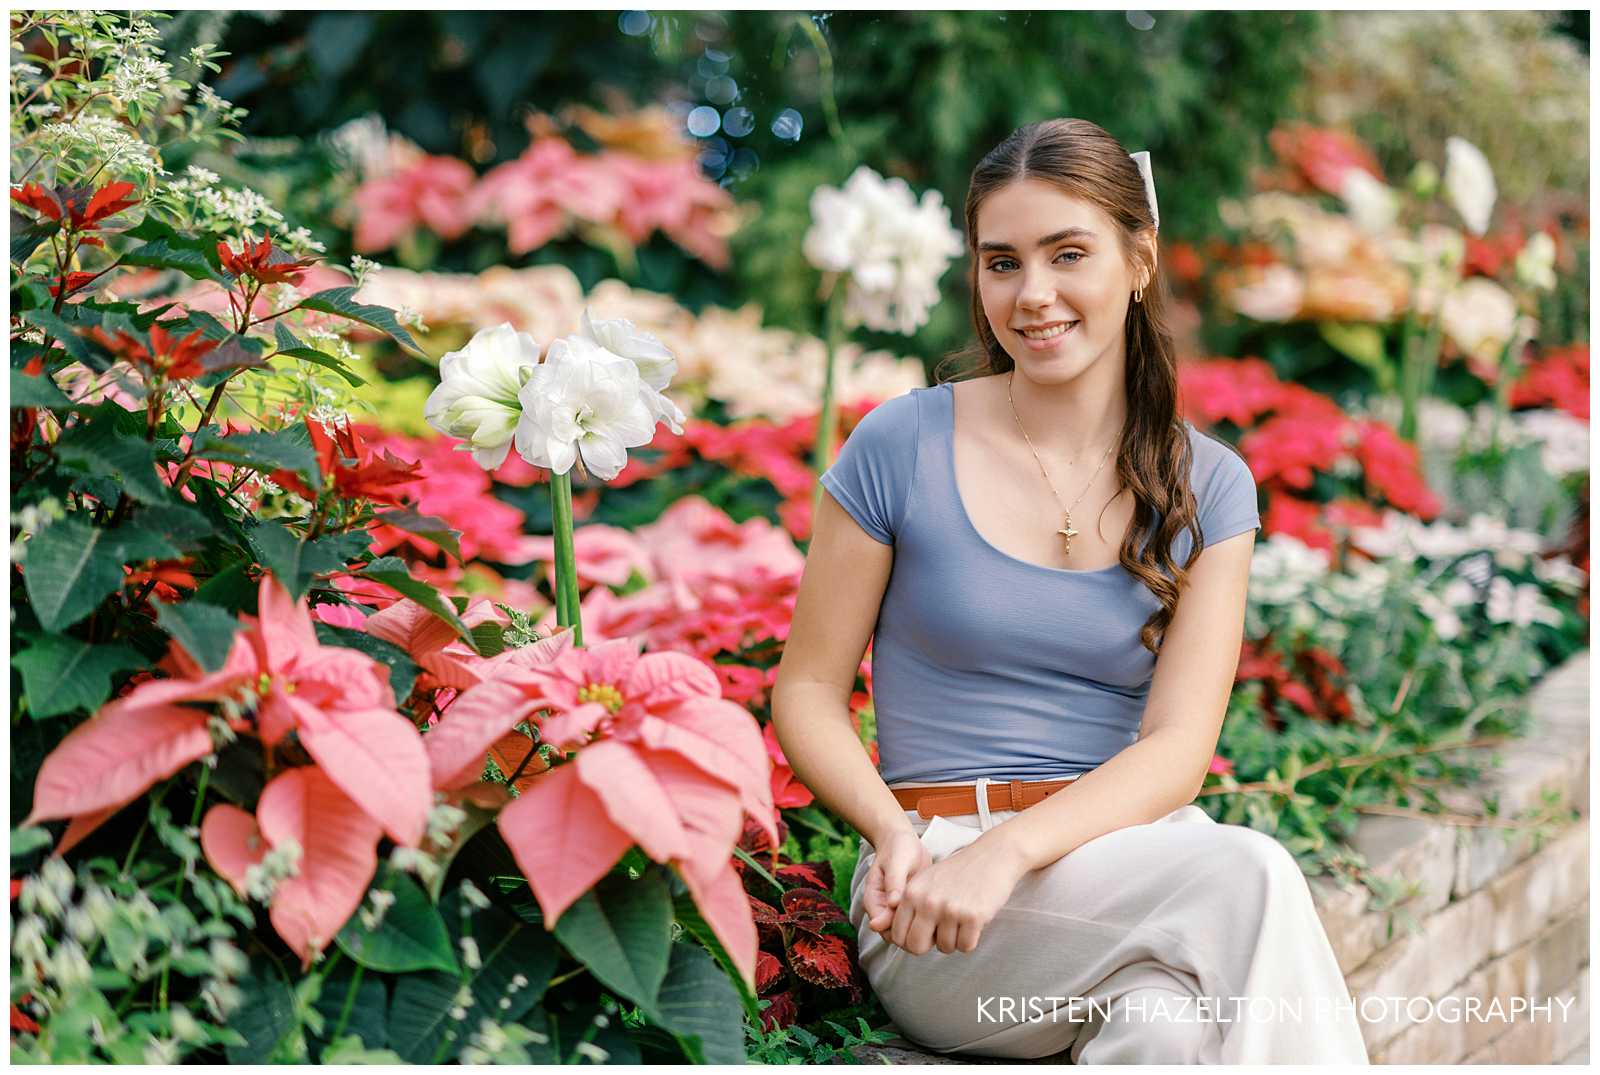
(893, 247)
(1469, 183)
(583, 399)
(655, 363)
(476, 399)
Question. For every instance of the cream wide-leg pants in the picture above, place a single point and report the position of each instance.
(1179, 941)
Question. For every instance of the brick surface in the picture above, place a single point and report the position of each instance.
(1537, 1041)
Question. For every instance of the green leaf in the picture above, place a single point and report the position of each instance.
(61, 332)
(205, 631)
(419, 1014)
(687, 914)
(368, 1016)
(71, 568)
(26, 235)
(292, 346)
(136, 544)
(292, 560)
(701, 1007)
(38, 391)
(235, 353)
(622, 931)
(289, 449)
(350, 1049)
(1362, 342)
(392, 572)
(265, 1016)
(402, 670)
(431, 527)
(62, 674)
(231, 589)
(410, 937)
(101, 448)
(167, 248)
(341, 301)
(27, 841)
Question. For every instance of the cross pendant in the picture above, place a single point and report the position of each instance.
(1069, 534)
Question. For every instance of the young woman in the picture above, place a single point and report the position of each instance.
(1053, 567)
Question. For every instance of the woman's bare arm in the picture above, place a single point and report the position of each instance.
(845, 576)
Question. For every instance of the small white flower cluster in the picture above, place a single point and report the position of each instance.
(301, 242)
(893, 247)
(139, 76)
(443, 820)
(382, 900)
(361, 268)
(29, 521)
(107, 141)
(130, 36)
(1563, 439)
(279, 864)
(1404, 535)
(598, 392)
(415, 861)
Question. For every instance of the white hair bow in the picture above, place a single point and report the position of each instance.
(1142, 159)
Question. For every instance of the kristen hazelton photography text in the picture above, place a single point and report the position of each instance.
(1194, 1009)
(507, 507)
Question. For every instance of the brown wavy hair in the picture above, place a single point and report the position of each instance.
(1154, 455)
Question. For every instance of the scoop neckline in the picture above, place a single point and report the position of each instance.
(961, 506)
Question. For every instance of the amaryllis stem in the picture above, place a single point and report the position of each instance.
(827, 420)
(567, 612)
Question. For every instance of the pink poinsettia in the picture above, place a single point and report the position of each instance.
(435, 192)
(661, 761)
(278, 679)
(604, 554)
(337, 700)
(337, 844)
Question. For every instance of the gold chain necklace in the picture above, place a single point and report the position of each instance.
(1066, 532)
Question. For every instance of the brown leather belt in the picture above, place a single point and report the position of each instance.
(963, 799)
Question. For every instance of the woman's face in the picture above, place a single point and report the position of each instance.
(1047, 260)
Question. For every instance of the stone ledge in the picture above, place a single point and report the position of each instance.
(1444, 862)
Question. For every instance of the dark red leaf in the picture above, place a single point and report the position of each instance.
(783, 1011)
(818, 875)
(769, 968)
(823, 961)
(810, 910)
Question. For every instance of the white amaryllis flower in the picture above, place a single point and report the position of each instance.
(893, 247)
(1481, 317)
(477, 395)
(583, 398)
(656, 364)
(1373, 204)
(1469, 183)
(1536, 263)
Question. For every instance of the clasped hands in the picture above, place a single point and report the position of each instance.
(917, 904)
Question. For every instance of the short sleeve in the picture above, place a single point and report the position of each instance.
(1228, 503)
(871, 477)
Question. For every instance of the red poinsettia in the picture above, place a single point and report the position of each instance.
(66, 285)
(82, 208)
(166, 355)
(351, 467)
(1559, 378)
(259, 261)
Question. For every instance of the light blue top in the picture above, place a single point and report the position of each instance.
(984, 664)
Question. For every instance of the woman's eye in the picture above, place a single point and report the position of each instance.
(1007, 264)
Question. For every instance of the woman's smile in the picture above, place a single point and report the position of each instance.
(1048, 338)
